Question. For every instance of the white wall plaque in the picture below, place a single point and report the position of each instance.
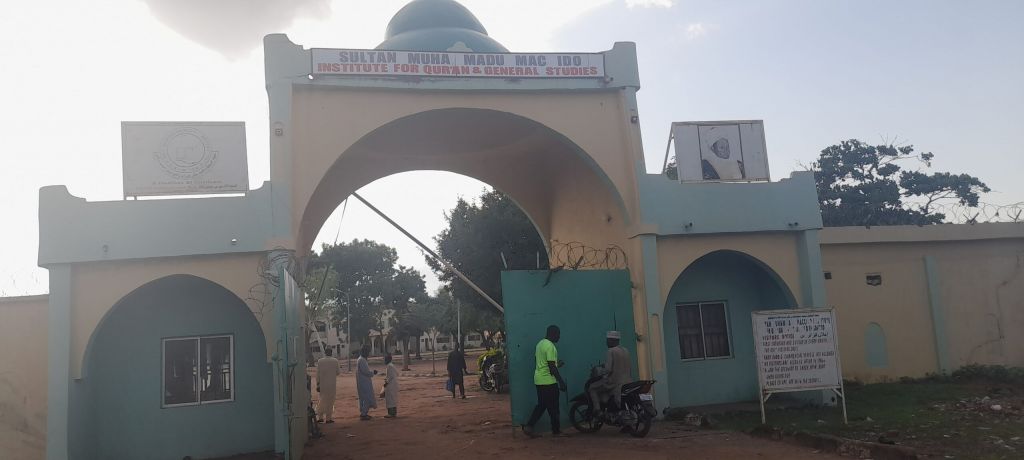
(183, 158)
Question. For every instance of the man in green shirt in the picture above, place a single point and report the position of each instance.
(548, 383)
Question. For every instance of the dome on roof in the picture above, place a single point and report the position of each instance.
(438, 25)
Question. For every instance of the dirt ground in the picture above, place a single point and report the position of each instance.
(433, 425)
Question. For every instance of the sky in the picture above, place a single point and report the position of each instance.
(943, 76)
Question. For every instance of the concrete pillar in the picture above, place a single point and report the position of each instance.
(59, 363)
(812, 278)
(655, 327)
(938, 314)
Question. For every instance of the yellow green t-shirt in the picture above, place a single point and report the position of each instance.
(545, 352)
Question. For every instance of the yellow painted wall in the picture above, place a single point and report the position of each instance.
(899, 306)
(23, 357)
(981, 277)
(97, 287)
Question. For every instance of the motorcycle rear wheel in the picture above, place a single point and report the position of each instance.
(643, 425)
(582, 417)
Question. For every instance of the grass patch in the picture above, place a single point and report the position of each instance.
(944, 418)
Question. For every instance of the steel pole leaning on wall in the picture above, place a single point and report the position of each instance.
(433, 254)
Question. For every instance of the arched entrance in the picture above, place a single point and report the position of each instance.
(178, 352)
(557, 184)
(709, 345)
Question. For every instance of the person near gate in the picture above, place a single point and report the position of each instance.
(364, 384)
(326, 385)
(390, 392)
(618, 371)
(456, 369)
(548, 382)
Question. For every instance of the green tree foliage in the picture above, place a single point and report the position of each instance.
(862, 184)
(368, 280)
(477, 236)
(319, 304)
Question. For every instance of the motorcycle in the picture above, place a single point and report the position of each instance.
(492, 373)
(635, 416)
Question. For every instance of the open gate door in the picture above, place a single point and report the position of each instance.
(585, 304)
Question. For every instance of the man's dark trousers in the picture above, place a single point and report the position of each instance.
(547, 399)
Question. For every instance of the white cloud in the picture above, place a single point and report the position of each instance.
(699, 29)
(650, 3)
(232, 27)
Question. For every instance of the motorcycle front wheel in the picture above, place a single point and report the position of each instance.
(486, 384)
(582, 417)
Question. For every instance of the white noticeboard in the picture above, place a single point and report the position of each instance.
(720, 151)
(797, 350)
(183, 158)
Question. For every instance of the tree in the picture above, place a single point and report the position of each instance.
(862, 184)
(477, 236)
(370, 282)
(318, 305)
(434, 321)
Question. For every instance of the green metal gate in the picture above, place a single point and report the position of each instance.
(584, 304)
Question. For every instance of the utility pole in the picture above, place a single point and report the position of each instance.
(348, 332)
(458, 320)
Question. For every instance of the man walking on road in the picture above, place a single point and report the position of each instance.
(456, 369)
(548, 382)
(326, 384)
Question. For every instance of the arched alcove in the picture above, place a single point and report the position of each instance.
(708, 337)
(179, 351)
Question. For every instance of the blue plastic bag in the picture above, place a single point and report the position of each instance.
(449, 385)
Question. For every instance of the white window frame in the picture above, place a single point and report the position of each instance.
(199, 393)
(703, 339)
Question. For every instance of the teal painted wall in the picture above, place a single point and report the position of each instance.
(745, 286)
(117, 406)
(787, 205)
(585, 304)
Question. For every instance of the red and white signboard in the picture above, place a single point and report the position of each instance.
(459, 65)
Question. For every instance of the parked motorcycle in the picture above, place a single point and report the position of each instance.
(492, 373)
(635, 416)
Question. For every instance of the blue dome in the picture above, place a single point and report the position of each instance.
(438, 25)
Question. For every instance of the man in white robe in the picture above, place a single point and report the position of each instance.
(327, 384)
(391, 388)
(364, 384)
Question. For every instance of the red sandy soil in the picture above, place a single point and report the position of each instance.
(431, 424)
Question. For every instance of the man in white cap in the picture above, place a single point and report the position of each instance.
(620, 372)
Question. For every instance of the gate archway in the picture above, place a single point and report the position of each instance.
(557, 184)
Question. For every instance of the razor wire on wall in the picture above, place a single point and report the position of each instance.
(574, 255)
(984, 212)
(261, 294)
